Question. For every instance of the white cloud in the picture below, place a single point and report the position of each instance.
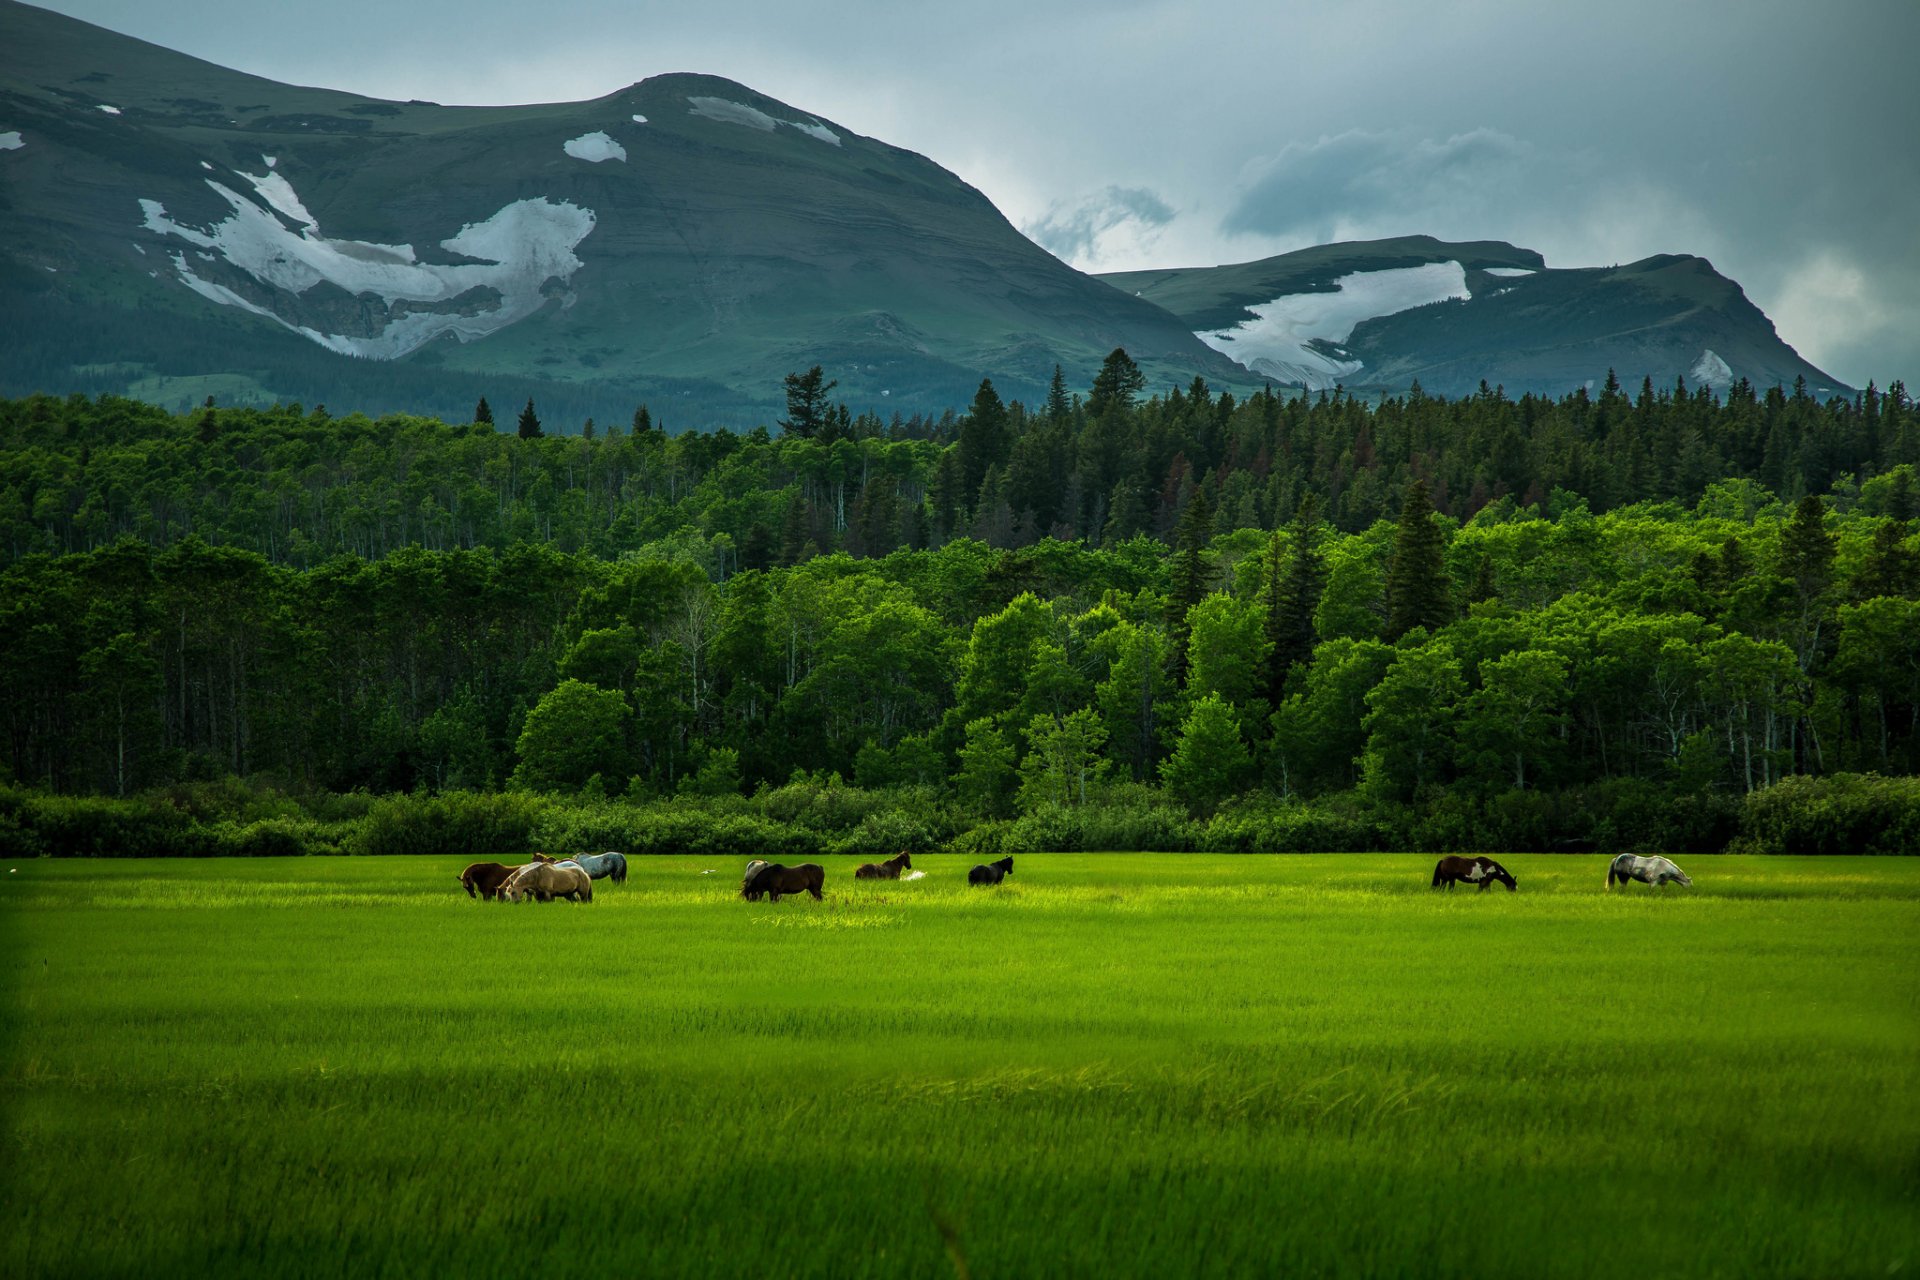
(1096, 230)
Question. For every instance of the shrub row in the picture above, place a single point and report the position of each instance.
(1840, 813)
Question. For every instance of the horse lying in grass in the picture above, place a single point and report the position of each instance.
(482, 880)
(992, 872)
(1653, 871)
(888, 870)
(545, 881)
(775, 879)
(1480, 871)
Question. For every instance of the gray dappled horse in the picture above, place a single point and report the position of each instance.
(1653, 871)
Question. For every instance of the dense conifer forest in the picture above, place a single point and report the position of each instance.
(1668, 619)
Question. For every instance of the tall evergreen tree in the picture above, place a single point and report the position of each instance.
(1416, 591)
(1117, 383)
(1191, 575)
(642, 421)
(807, 410)
(984, 442)
(1059, 406)
(1293, 595)
(530, 422)
(1807, 549)
(483, 412)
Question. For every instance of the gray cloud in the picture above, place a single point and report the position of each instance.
(1074, 232)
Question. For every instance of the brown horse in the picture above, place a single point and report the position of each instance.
(1480, 871)
(544, 881)
(775, 879)
(888, 870)
(482, 880)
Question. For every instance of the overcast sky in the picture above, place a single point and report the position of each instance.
(1775, 137)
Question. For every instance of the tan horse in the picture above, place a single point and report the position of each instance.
(543, 882)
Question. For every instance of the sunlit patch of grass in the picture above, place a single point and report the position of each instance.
(1150, 1064)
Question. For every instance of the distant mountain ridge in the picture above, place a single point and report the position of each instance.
(1384, 314)
(684, 238)
(173, 229)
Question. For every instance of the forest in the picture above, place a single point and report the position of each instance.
(1114, 620)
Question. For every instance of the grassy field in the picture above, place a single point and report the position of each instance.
(1114, 1064)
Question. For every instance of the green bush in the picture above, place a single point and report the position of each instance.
(1837, 814)
(463, 823)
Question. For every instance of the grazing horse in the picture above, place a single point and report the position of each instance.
(888, 870)
(1653, 871)
(603, 866)
(1480, 871)
(545, 881)
(482, 880)
(992, 872)
(775, 879)
(753, 871)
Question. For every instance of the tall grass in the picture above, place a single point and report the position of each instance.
(1135, 1064)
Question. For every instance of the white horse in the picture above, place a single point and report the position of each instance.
(1653, 871)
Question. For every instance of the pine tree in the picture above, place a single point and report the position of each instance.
(807, 410)
(586, 432)
(1807, 549)
(1191, 575)
(642, 421)
(483, 412)
(1117, 383)
(983, 437)
(530, 422)
(1059, 406)
(1416, 579)
(1293, 596)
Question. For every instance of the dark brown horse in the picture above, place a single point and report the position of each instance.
(888, 870)
(1481, 871)
(992, 872)
(483, 879)
(775, 879)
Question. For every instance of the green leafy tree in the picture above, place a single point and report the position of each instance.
(1409, 724)
(1514, 718)
(1227, 654)
(1210, 760)
(575, 731)
(986, 777)
(1063, 760)
(1133, 694)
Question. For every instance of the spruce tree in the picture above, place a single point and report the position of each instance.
(1293, 596)
(984, 442)
(1059, 406)
(807, 408)
(642, 421)
(1417, 579)
(483, 412)
(1807, 549)
(530, 422)
(1190, 575)
(1117, 383)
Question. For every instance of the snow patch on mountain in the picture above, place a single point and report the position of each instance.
(733, 113)
(740, 113)
(516, 251)
(270, 161)
(594, 147)
(1509, 271)
(11, 140)
(112, 111)
(814, 129)
(1289, 338)
(1711, 371)
(639, 119)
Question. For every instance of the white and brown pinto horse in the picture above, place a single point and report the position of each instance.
(1480, 871)
(1653, 871)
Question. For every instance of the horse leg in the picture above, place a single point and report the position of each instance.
(814, 889)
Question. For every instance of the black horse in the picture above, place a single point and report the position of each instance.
(776, 878)
(1480, 871)
(992, 872)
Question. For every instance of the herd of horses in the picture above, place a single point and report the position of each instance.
(547, 878)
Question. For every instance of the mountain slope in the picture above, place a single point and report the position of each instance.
(1384, 314)
(172, 223)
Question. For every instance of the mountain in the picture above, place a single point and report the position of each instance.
(177, 229)
(1383, 314)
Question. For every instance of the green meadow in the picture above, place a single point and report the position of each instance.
(1112, 1065)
